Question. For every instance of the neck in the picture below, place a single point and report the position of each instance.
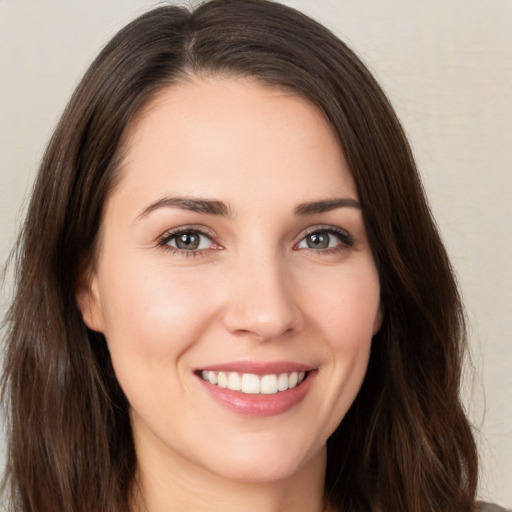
(175, 485)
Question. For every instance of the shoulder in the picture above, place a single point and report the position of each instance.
(489, 507)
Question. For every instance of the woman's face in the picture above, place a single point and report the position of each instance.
(233, 255)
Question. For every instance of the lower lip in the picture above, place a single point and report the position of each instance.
(260, 405)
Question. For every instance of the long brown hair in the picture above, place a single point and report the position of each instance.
(404, 446)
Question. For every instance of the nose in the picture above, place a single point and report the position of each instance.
(262, 303)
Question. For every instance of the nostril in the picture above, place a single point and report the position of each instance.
(266, 321)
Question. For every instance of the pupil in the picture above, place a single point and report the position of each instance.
(188, 241)
(318, 241)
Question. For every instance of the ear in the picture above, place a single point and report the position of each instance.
(88, 299)
(377, 323)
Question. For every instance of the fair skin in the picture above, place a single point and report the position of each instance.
(233, 244)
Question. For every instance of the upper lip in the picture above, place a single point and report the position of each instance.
(258, 367)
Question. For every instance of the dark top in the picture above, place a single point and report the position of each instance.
(489, 507)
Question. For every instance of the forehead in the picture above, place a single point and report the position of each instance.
(221, 136)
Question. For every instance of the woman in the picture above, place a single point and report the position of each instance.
(241, 301)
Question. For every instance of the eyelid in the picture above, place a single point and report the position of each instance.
(346, 239)
(163, 240)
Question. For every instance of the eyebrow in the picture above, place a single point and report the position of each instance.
(215, 207)
(326, 205)
(199, 205)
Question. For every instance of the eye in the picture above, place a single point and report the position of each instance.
(327, 238)
(189, 240)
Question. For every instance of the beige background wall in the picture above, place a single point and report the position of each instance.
(447, 67)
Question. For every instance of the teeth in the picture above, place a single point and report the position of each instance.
(282, 382)
(234, 382)
(269, 384)
(252, 384)
(222, 380)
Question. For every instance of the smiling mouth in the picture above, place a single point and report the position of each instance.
(251, 384)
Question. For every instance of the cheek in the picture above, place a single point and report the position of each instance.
(352, 319)
(155, 313)
(152, 320)
(346, 313)
(348, 305)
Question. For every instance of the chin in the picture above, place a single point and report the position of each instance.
(267, 465)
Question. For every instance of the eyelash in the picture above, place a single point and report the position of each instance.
(170, 235)
(346, 241)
